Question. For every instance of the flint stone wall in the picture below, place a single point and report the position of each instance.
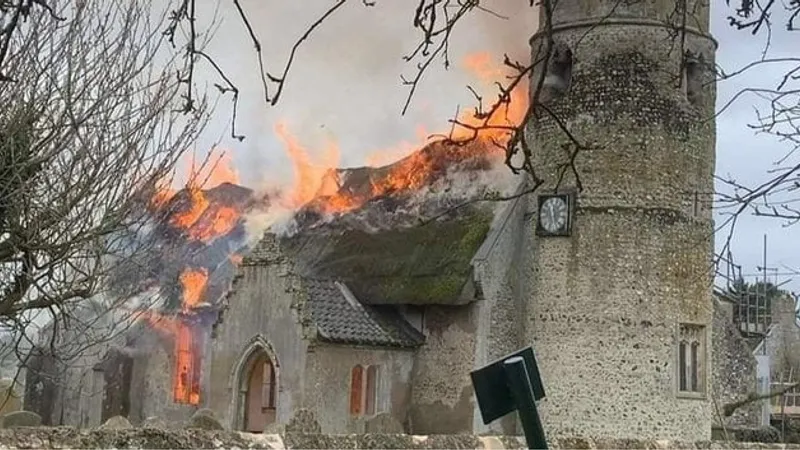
(606, 302)
(63, 437)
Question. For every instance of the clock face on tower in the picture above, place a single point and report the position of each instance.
(554, 215)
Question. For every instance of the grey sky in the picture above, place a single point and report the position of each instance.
(345, 87)
(346, 83)
(748, 157)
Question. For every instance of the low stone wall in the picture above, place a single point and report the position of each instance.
(140, 438)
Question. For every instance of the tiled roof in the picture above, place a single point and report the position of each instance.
(348, 321)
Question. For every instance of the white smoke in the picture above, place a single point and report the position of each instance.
(345, 85)
(278, 219)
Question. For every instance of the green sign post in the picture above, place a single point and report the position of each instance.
(508, 384)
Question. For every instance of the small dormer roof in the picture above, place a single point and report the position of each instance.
(341, 318)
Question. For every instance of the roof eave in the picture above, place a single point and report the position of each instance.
(365, 344)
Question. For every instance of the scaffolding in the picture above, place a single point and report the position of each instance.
(752, 312)
(787, 403)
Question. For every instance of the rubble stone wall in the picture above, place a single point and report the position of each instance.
(62, 437)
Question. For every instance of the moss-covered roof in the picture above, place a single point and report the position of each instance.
(425, 264)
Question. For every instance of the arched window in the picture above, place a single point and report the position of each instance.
(356, 390)
(258, 392)
(364, 390)
(370, 390)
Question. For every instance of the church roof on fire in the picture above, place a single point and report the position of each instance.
(341, 318)
(402, 234)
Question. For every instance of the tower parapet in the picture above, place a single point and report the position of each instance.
(609, 11)
(620, 306)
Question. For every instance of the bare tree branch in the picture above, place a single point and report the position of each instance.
(87, 133)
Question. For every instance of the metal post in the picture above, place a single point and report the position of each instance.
(520, 385)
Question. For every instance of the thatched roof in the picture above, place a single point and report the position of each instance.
(426, 264)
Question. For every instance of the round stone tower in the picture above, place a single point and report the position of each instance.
(621, 273)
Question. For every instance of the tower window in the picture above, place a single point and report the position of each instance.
(558, 77)
(691, 360)
(692, 78)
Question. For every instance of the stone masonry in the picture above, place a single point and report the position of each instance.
(607, 301)
(141, 438)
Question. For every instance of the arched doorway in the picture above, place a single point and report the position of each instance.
(258, 391)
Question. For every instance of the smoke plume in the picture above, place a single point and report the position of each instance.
(345, 85)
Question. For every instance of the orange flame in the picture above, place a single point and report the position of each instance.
(482, 136)
(308, 177)
(194, 283)
(187, 367)
(497, 127)
(197, 205)
(480, 64)
(218, 221)
(222, 171)
(202, 220)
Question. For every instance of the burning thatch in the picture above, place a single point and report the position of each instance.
(413, 242)
(418, 187)
(402, 233)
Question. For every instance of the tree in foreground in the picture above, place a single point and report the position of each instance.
(90, 124)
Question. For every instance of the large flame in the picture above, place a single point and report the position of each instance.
(194, 283)
(510, 113)
(197, 206)
(220, 220)
(308, 177)
(482, 135)
(199, 218)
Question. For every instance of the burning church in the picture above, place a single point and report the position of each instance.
(370, 306)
